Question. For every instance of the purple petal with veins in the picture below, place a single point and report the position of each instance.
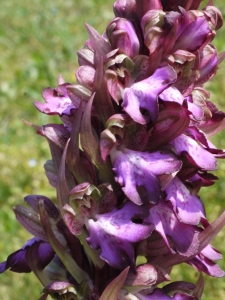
(189, 208)
(115, 232)
(144, 94)
(140, 169)
(200, 157)
(166, 223)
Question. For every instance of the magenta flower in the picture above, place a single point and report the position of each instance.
(57, 100)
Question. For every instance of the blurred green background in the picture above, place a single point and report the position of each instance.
(38, 41)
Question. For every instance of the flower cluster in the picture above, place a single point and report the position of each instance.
(129, 159)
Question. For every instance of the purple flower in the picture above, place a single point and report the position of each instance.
(188, 207)
(65, 98)
(35, 253)
(144, 94)
(168, 225)
(57, 100)
(138, 173)
(115, 232)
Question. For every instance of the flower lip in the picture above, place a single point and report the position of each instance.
(137, 172)
(144, 94)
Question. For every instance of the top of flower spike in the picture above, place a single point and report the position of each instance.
(129, 9)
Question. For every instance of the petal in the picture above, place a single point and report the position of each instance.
(167, 224)
(207, 266)
(55, 103)
(208, 64)
(115, 232)
(85, 75)
(172, 121)
(189, 208)
(194, 26)
(144, 94)
(211, 253)
(172, 94)
(146, 275)
(197, 112)
(199, 156)
(17, 260)
(140, 169)
(125, 9)
(122, 35)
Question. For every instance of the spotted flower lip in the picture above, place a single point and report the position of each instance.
(115, 232)
(136, 171)
(144, 94)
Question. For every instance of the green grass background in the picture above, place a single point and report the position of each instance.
(38, 41)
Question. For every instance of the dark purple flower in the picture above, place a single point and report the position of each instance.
(20, 261)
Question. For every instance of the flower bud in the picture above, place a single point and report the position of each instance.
(122, 35)
(125, 9)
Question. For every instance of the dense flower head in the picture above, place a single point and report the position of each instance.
(129, 159)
